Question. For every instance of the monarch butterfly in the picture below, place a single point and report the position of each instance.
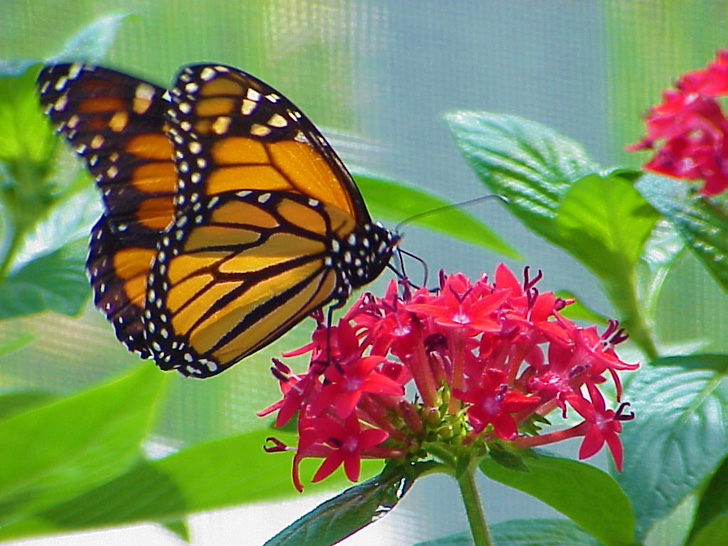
(228, 217)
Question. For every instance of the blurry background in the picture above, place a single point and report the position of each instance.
(376, 76)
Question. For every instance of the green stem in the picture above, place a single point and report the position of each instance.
(473, 507)
(624, 297)
(13, 247)
(442, 452)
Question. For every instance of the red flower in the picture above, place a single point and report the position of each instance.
(338, 442)
(347, 384)
(460, 306)
(601, 426)
(688, 129)
(493, 403)
(479, 359)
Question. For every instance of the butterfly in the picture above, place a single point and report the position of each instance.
(228, 218)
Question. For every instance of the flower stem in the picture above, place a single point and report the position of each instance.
(473, 507)
(10, 252)
(624, 297)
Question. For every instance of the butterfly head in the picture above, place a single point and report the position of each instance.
(361, 256)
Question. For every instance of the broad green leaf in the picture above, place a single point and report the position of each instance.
(59, 450)
(701, 222)
(68, 220)
(713, 534)
(457, 539)
(27, 141)
(13, 343)
(18, 401)
(714, 500)
(663, 248)
(679, 436)
(662, 252)
(525, 532)
(91, 42)
(180, 528)
(604, 222)
(529, 164)
(711, 362)
(345, 514)
(541, 532)
(54, 282)
(673, 529)
(396, 201)
(207, 476)
(507, 458)
(583, 493)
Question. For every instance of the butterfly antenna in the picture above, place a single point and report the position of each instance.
(423, 263)
(447, 207)
(400, 271)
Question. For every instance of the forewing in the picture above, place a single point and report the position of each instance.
(232, 132)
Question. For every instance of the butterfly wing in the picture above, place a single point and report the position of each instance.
(236, 275)
(269, 225)
(116, 123)
(233, 132)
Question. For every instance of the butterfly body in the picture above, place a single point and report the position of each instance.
(228, 217)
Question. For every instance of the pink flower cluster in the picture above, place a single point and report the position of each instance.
(488, 361)
(688, 130)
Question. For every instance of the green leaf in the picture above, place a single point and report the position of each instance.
(396, 201)
(27, 141)
(507, 458)
(701, 222)
(604, 222)
(673, 529)
(180, 528)
(18, 401)
(345, 514)
(15, 342)
(680, 434)
(207, 476)
(529, 164)
(662, 252)
(663, 248)
(56, 451)
(525, 532)
(583, 493)
(457, 539)
(70, 219)
(541, 532)
(714, 500)
(712, 362)
(92, 42)
(54, 282)
(716, 532)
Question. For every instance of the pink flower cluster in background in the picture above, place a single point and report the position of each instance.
(688, 129)
(472, 363)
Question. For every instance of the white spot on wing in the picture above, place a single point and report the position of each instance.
(221, 125)
(259, 130)
(277, 120)
(207, 73)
